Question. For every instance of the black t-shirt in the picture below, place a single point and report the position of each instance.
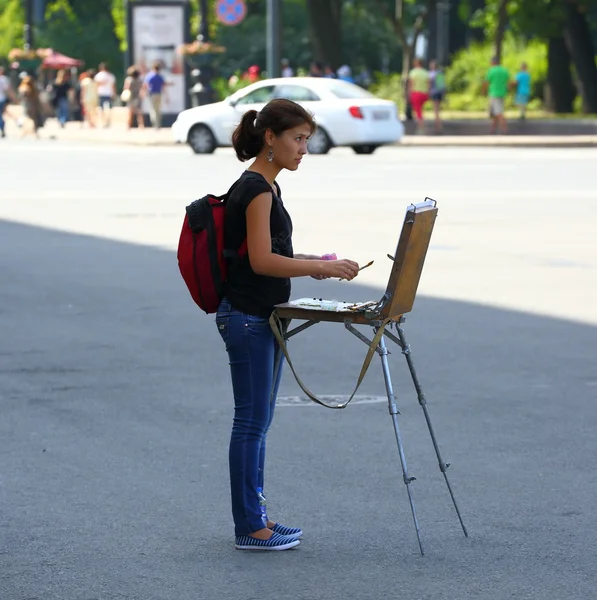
(61, 90)
(248, 292)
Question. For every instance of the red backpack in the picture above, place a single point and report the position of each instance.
(202, 257)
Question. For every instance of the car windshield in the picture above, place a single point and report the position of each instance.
(349, 91)
(261, 95)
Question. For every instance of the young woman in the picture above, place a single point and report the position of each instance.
(62, 91)
(89, 97)
(418, 90)
(32, 109)
(437, 92)
(276, 138)
(133, 85)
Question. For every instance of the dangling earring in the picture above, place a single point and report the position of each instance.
(270, 155)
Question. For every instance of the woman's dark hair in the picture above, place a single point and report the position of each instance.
(279, 115)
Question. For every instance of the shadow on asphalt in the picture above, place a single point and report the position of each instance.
(116, 408)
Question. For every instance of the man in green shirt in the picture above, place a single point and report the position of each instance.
(497, 81)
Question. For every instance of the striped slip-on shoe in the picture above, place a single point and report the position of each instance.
(289, 531)
(276, 542)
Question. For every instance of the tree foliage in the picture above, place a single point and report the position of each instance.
(12, 18)
(376, 34)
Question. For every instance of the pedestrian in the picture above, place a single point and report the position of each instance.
(437, 92)
(345, 74)
(133, 96)
(89, 97)
(496, 83)
(155, 86)
(523, 90)
(253, 73)
(5, 94)
(316, 69)
(275, 139)
(106, 89)
(31, 103)
(287, 70)
(61, 93)
(418, 90)
(329, 73)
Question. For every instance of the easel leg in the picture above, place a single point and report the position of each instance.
(423, 402)
(394, 414)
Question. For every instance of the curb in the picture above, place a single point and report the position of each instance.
(490, 141)
(162, 138)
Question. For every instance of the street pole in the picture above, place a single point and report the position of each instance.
(204, 24)
(127, 52)
(28, 28)
(273, 38)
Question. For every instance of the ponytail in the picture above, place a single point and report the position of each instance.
(247, 138)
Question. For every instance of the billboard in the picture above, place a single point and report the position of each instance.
(156, 29)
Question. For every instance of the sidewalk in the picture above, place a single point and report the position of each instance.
(118, 134)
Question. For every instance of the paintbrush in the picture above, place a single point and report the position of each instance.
(360, 269)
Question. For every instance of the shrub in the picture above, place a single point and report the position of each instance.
(387, 87)
(226, 87)
(465, 76)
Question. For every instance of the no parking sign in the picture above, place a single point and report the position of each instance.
(231, 12)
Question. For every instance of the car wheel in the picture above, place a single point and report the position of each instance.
(202, 140)
(320, 142)
(365, 149)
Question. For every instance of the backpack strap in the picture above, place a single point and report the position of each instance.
(232, 254)
(279, 327)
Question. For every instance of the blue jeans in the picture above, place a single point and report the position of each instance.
(105, 102)
(3, 104)
(252, 352)
(62, 110)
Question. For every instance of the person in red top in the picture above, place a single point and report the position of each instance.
(253, 73)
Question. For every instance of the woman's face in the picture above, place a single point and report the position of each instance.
(290, 146)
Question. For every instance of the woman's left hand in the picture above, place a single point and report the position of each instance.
(311, 257)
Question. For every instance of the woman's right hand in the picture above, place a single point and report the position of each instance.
(343, 269)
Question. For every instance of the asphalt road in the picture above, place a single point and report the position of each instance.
(116, 404)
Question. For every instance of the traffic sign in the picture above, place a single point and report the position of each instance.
(231, 12)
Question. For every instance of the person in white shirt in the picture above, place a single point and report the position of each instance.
(4, 94)
(106, 89)
(286, 68)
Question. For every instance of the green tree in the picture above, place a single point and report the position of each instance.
(577, 35)
(407, 19)
(325, 26)
(12, 19)
(494, 19)
(84, 30)
(368, 40)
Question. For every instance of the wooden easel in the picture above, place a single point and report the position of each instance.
(382, 316)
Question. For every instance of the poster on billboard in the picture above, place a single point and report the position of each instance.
(156, 30)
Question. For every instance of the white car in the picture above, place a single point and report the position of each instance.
(346, 115)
